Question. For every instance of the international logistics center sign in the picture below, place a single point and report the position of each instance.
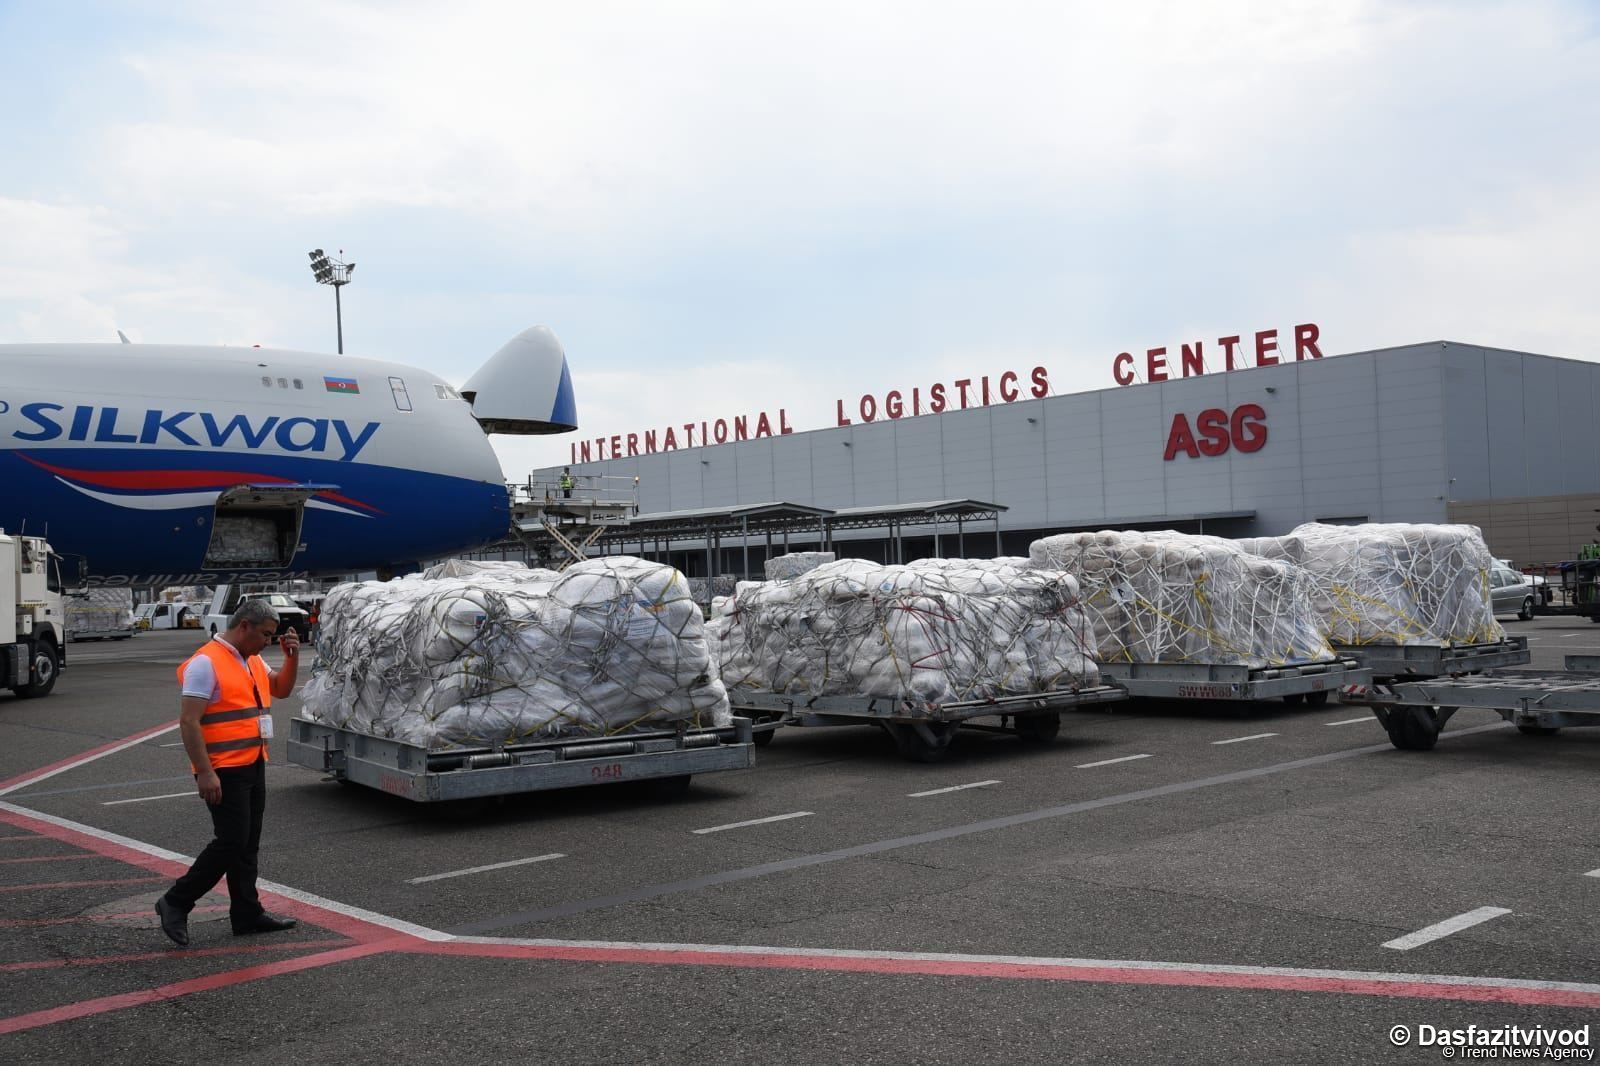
(1211, 432)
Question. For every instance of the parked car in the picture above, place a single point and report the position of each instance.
(1511, 592)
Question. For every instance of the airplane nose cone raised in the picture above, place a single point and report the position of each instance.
(525, 387)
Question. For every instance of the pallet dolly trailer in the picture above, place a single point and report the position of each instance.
(922, 730)
(1413, 713)
(667, 757)
(1308, 683)
(1421, 662)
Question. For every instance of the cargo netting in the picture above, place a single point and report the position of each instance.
(1394, 584)
(936, 630)
(99, 611)
(472, 654)
(1167, 597)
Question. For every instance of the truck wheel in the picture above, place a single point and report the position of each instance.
(1039, 728)
(1526, 614)
(1413, 728)
(45, 670)
(1317, 699)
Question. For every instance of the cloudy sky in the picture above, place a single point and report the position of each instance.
(726, 208)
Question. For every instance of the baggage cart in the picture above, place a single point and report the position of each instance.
(922, 730)
(1421, 661)
(1306, 683)
(668, 757)
(1413, 713)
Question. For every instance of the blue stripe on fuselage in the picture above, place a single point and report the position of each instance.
(421, 515)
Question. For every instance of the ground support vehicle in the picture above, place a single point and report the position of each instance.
(921, 730)
(1306, 683)
(667, 757)
(227, 598)
(33, 634)
(1538, 703)
(1416, 662)
(100, 614)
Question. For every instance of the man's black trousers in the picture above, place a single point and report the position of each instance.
(232, 853)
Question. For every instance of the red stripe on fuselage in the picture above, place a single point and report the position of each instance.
(173, 480)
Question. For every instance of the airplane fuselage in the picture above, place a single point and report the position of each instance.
(121, 453)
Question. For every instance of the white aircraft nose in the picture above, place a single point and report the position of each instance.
(525, 387)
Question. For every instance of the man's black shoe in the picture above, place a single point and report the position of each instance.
(174, 922)
(263, 923)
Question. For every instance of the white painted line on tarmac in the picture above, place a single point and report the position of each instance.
(179, 744)
(483, 869)
(1443, 929)
(952, 788)
(1108, 762)
(147, 799)
(1353, 721)
(754, 821)
(1241, 740)
(1592, 873)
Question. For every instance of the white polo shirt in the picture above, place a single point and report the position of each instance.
(200, 677)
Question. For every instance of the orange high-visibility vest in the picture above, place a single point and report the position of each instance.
(231, 726)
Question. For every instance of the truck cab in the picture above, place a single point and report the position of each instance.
(33, 635)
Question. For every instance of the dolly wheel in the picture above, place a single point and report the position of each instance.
(762, 737)
(923, 741)
(1538, 730)
(1317, 699)
(1295, 699)
(1039, 728)
(1413, 728)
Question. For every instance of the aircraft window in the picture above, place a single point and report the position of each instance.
(283, 383)
(299, 384)
(402, 398)
(266, 380)
(445, 392)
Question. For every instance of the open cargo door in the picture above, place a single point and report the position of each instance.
(257, 527)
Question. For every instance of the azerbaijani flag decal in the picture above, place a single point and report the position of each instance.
(342, 385)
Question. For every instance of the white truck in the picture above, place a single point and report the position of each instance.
(227, 600)
(33, 635)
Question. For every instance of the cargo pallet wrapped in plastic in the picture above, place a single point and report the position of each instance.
(1394, 583)
(475, 654)
(1168, 597)
(936, 630)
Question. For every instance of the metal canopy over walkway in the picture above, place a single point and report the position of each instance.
(550, 523)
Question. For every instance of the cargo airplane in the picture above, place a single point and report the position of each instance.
(164, 464)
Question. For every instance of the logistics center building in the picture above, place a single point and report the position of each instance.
(1431, 432)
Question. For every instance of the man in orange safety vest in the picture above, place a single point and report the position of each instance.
(225, 722)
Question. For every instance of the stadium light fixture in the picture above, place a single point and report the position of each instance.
(335, 272)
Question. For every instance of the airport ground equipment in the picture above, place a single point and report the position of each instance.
(921, 730)
(1538, 703)
(1306, 683)
(1417, 662)
(100, 614)
(667, 757)
(33, 635)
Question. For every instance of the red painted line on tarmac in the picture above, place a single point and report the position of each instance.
(354, 928)
(82, 884)
(105, 1004)
(23, 779)
(49, 858)
(151, 956)
(14, 923)
(1094, 973)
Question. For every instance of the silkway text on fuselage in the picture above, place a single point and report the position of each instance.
(192, 429)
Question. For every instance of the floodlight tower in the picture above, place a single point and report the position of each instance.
(337, 273)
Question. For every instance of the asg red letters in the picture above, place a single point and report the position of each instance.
(1215, 431)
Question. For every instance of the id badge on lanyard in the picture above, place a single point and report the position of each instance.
(264, 722)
